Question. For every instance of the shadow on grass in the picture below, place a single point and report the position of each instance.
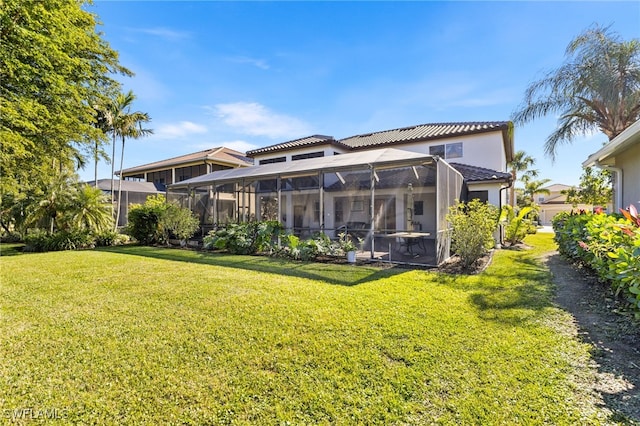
(11, 249)
(338, 274)
(514, 289)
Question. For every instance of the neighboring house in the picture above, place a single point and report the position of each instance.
(177, 169)
(556, 202)
(379, 185)
(622, 156)
(132, 193)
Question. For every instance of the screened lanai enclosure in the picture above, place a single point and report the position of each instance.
(393, 202)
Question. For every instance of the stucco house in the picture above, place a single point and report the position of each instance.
(391, 188)
(622, 156)
(555, 202)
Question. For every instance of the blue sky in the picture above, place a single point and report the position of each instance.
(251, 74)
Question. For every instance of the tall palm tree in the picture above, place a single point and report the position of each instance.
(597, 88)
(533, 187)
(126, 124)
(520, 163)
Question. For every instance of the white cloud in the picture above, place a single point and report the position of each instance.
(257, 120)
(165, 33)
(179, 130)
(259, 63)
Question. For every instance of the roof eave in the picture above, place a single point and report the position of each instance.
(629, 136)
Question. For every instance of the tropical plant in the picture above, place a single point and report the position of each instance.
(46, 207)
(521, 162)
(89, 209)
(473, 225)
(609, 244)
(531, 188)
(244, 238)
(597, 88)
(124, 124)
(517, 226)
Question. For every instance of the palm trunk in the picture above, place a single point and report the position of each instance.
(113, 171)
(95, 166)
(120, 185)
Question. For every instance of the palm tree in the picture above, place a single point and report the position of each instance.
(520, 163)
(89, 209)
(533, 187)
(125, 124)
(597, 88)
(46, 207)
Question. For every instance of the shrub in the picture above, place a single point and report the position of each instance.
(607, 244)
(39, 241)
(36, 241)
(70, 240)
(178, 222)
(110, 238)
(156, 220)
(244, 238)
(473, 226)
(517, 226)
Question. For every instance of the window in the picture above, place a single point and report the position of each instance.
(184, 173)
(454, 150)
(437, 150)
(418, 208)
(161, 178)
(316, 211)
(273, 160)
(483, 196)
(450, 150)
(307, 155)
(338, 211)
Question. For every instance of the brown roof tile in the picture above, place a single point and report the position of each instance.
(294, 144)
(480, 174)
(421, 132)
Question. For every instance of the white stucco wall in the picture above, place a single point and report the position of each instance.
(629, 162)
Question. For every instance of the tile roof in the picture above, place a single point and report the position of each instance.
(219, 154)
(418, 133)
(423, 132)
(480, 174)
(294, 144)
(128, 186)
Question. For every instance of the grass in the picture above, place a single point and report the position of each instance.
(138, 335)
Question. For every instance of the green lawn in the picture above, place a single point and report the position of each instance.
(136, 335)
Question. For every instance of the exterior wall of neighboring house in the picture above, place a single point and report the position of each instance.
(178, 169)
(622, 156)
(629, 162)
(555, 202)
(131, 192)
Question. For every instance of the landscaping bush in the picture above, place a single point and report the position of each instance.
(473, 226)
(36, 241)
(40, 241)
(517, 226)
(244, 238)
(155, 221)
(318, 245)
(607, 244)
(110, 238)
